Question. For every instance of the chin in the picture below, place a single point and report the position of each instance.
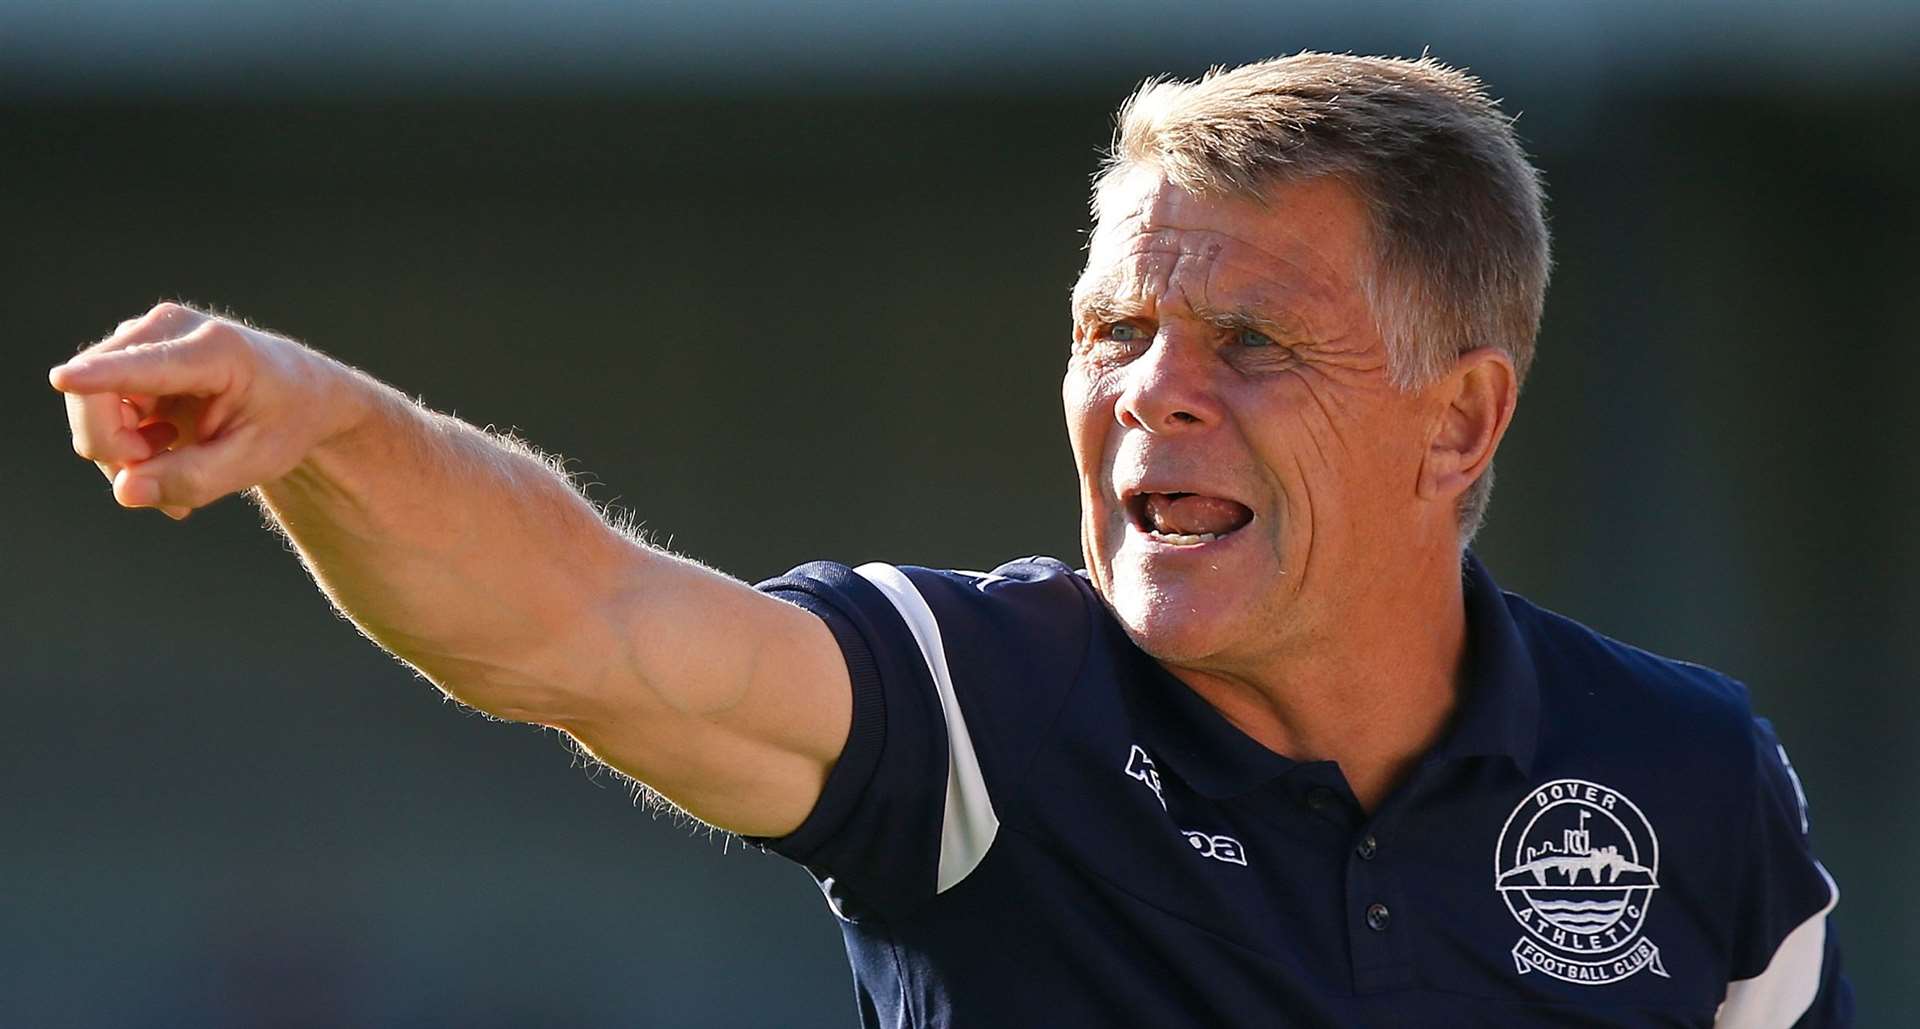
(1171, 623)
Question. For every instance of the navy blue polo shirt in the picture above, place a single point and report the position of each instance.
(1034, 823)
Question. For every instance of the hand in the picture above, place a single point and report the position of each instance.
(179, 408)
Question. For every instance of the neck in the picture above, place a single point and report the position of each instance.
(1373, 689)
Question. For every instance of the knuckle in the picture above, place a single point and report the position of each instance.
(171, 313)
(158, 319)
(169, 318)
(214, 335)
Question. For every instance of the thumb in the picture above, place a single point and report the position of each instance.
(187, 477)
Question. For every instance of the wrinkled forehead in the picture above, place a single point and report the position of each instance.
(1301, 242)
(1141, 195)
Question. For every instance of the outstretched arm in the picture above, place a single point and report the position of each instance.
(473, 560)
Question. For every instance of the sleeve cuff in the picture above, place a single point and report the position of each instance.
(860, 756)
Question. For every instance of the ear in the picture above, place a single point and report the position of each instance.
(1477, 399)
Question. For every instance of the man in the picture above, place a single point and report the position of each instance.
(1249, 767)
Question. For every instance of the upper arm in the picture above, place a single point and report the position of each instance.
(731, 703)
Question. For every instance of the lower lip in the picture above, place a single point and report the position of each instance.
(1160, 545)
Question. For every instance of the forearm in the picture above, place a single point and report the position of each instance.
(472, 559)
(464, 554)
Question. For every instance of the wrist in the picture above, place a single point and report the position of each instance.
(343, 407)
(345, 398)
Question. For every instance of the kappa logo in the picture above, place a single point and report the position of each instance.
(1141, 767)
(1214, 845)
(1219, 848)
(1577, 864)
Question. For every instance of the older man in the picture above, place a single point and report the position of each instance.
(1282, 754)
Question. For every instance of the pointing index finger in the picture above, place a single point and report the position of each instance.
(171, 367)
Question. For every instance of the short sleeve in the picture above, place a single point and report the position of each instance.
(955, 679)
(1786, 962)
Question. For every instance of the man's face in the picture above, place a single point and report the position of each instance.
(1247, 469)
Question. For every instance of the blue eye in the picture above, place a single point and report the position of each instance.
(1123, 333)
(1255, 338)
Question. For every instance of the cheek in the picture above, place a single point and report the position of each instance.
(1340, 469)
(1088, 417)
(1303, 468)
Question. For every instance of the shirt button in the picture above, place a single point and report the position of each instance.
(1377, 917)
(1367, 848)
(1319, 798)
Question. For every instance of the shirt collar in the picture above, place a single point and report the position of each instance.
(1193, 739)
(1499, 709)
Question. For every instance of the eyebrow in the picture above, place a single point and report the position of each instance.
(1101, 304)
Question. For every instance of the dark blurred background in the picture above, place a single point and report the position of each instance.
(789, 281)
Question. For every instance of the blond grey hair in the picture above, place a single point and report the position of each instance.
(1459, 234)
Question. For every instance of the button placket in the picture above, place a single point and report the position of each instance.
(1377, 934)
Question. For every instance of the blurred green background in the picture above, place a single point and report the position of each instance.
(791, 284)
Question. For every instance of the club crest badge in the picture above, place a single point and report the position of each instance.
(1578, 864)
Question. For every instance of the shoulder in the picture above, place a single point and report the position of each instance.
(1034, 600)
(1008, 644)
(1679, 737)
(1585, 673)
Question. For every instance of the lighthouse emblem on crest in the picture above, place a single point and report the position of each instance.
(1577, 865)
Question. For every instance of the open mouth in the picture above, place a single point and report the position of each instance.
(1186, 519)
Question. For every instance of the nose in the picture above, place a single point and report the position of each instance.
(1168, 388)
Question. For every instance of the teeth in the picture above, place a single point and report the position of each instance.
(1183, 539)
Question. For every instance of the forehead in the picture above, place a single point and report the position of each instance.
(1301, 243)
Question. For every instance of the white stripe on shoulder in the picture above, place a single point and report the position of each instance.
(969, 826)
(981, 580)
(1791, 982)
